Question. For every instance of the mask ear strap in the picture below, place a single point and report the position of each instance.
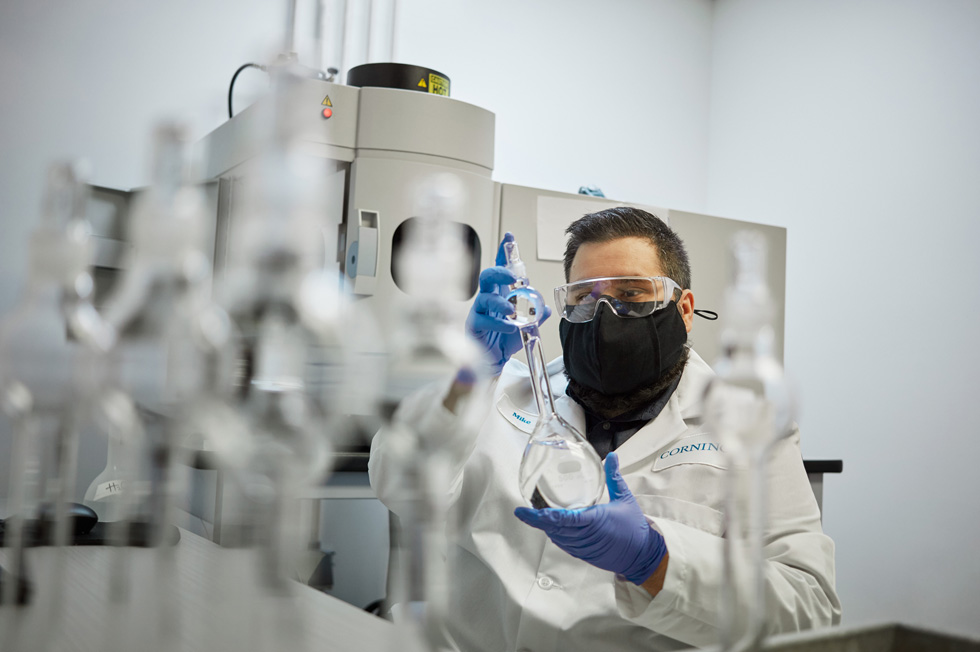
(710, 315)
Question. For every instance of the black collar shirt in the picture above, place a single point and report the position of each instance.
(607, 435)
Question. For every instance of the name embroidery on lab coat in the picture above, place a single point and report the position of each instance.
(699, 448)
(518, 418)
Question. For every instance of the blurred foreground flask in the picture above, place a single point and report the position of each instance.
(751, 407)
(51, 347)
(428, 347)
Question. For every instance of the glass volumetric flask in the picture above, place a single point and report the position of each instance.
(428, 346)
(106, 491)
(559, 468)
(750, 403)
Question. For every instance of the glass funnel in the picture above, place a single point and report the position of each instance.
(559, 468)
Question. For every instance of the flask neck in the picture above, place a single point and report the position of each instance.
(750, 312)
(112, 456)
(540, 384)
(280, 360)
(748, 303)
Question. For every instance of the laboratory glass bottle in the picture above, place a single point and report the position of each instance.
(170, 336)
(51, 348)
(559, 467)
(287, 312)
(116, 417)
(284, 301)
(429, 346)
(173, 360)
(750, 405)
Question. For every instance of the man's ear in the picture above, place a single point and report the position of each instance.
(686, 305)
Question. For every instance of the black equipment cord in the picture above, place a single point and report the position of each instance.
(231, 86)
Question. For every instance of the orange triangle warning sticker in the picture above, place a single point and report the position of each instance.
(326, 101)
(422, 83)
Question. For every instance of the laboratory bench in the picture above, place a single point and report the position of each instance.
(883, 637)
(207, 616)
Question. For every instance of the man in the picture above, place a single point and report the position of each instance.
(643, 569)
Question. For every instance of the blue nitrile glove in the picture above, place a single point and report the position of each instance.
(487, 319)
(615, 536)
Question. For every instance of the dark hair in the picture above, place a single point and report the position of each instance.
(625, 222)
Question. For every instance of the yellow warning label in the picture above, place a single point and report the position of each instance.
(326, 101)
(421, 83)
(438, 85)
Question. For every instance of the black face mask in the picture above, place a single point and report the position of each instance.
(619, 355)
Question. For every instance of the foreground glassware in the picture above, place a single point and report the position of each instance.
(173, 360)
(51, 349)
(559, 468)
(429, 347)
(750, 405)
(283, 298)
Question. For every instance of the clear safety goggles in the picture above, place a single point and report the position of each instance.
(628, 296)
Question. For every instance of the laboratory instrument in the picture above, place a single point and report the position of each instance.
(559, 467)
(750, 404)
(374, 147)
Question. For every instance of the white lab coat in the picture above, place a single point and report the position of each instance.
(515, 590)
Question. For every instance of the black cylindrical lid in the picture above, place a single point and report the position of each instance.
(399, 75)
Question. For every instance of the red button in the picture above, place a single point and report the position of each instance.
(327, 113)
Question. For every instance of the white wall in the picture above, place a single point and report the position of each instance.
(611, 93)
(855, 125)
(89, 79)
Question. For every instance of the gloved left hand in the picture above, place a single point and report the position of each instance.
(614, 536)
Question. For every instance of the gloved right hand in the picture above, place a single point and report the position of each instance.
(487, 321)
(614, 536)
